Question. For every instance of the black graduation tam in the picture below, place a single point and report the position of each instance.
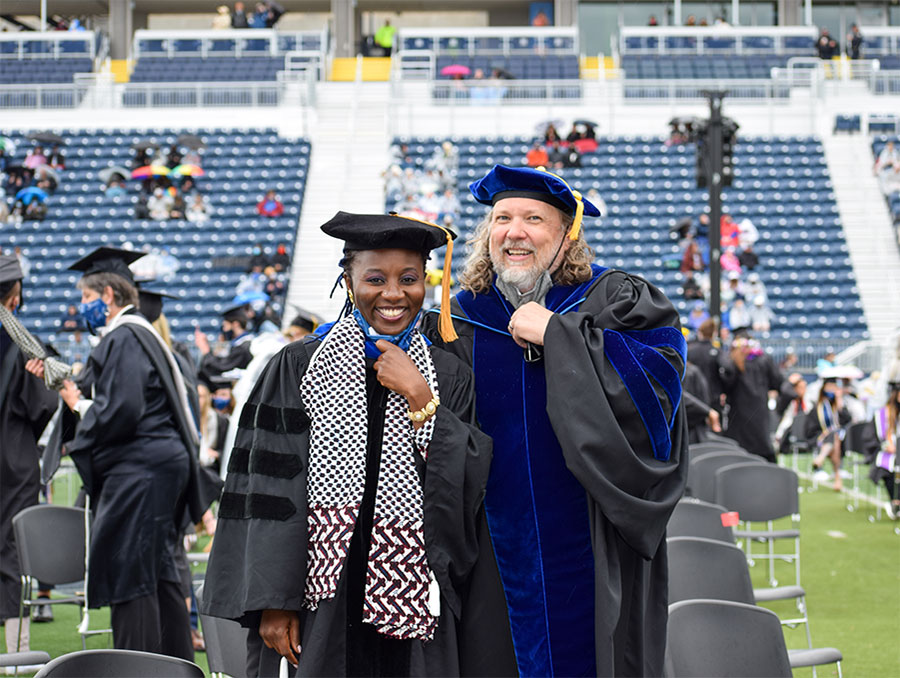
(108, 260)
(234, 312)
(392, 231)
(308, 321)
(536, 184)
(742, 333)
(214, 381)
(151, 301)
(10, 269)
(386, 231)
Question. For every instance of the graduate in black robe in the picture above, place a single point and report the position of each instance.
(578, 382)
(26, 407)
(747, 375)
(135, 447)
(263, 562)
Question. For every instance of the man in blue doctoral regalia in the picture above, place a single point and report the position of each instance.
(578, 374)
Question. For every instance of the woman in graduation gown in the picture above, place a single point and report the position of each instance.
(347, 528)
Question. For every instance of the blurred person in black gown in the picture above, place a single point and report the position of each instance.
(347, 528)
(748, 374)
(134, 443)
(700, 416)
(235, 324)
(703, 353)
(26, 407)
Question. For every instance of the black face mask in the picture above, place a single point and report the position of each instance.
(228, 334)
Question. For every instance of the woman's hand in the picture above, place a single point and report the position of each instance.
(280, 630)
(70, 394)
(397, 371)
(528, 324)
(36, 367)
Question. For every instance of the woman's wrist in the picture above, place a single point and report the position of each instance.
(419, 396)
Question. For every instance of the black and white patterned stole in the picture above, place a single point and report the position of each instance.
(401, 592)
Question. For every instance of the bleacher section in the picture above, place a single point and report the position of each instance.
(781, 184)
(521, 67)
(893, 199)
(655, 67)
(212, 69)
(240, 166)
(29, 58)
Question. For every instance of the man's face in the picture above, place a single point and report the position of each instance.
(525, 236)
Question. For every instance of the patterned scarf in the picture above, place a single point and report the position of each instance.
(55, 371)
(401, 595)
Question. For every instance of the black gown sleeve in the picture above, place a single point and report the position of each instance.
(258, 560)
(118, 385)
(238, 358)
(601, 418)
(456, 474)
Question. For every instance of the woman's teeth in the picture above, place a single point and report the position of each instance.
(391, 312)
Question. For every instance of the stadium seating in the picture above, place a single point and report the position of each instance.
(782, 184)
(239, 166)
(212, 69)
(656, 67)
(521, 67)
(34, 71)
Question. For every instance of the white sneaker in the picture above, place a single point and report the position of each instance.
(821, 475)
(846, 475)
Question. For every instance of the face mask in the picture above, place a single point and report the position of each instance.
(221, 403)
(228, 334)
(829, 395)
(94, 314)
(403, 340)
(256, 250)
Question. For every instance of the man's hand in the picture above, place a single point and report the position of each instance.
(396, 370)
(713, 420)
(280, 630)
(200, 341)
(36, 367)
(528, 324)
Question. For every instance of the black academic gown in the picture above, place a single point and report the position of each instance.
(136, 468)
(748, 401)
(238, 357)
(27, 406)
(580, 490)
(258, 560)
(706, 357)
(696, 403)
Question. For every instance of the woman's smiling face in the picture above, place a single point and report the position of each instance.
(388, 287)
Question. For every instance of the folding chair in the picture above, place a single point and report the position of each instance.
(708, 569)
(708, 446)
(724, 440)
(860, 446)
(119, 664)
(798, 442)
(697, 518)
(50, 543)
(723, 638)
(226, 643)
(702, 471)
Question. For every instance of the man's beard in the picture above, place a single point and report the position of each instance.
(524, 278)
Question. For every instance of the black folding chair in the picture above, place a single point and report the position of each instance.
(702, 470)
(50, 543)
(226, 643)
(119, 664)
(697, 518)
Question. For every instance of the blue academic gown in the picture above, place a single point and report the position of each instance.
(588, 448)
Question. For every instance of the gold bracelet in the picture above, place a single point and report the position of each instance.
(426, 412)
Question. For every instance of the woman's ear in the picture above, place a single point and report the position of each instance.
(107, 296)
(349, 287)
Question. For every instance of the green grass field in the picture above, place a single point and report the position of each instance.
(850, 570)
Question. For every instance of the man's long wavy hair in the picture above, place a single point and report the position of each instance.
(478, 272)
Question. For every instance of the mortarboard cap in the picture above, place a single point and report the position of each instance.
(392, 231)
(151, 301)
(10, 269)
(308, 321)
(536, 184)
(108, 260)
(214, 381)
(234, 312)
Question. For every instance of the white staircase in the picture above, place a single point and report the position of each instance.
(349, 152)
(867, 227)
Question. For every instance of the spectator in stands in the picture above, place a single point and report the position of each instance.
(281, 260)
(384, 37)
(450, 206)
(691, 20)
(755, 287)
(159, 205)
(273, 12)
(855, 42)
(790, 359)
(198, 209)
(45, 178)
(748, 258)
(729, 231)
(276, 285)
(761, 316)
(748, 234)
(652, 21)
(56, 160)
(239, 16)
(35, 158)
(697, 316)
(826, 47)
(72, 321)
(825, 429)
(270, 206)
(739, 315)
(260, 17)
(690, 289)
(222, 19)
(258, 258)
(887, 168)
(729, 261)
(179, 207)
(551, 136)
(826, 361)
(556, 155)
(692, 257)
(173, 158)
(115, 189)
